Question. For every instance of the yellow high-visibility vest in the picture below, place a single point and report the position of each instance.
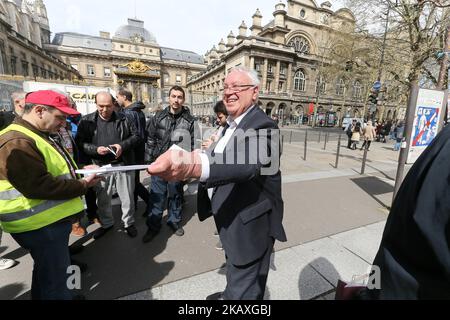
(19, 214)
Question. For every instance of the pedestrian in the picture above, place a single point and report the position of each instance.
(134, 112)
(399, 131)
(349, 132)
(368, 134)
(244, 198)
(41, 193)
(356, 135)
(414, 256)
(173, 125)
(109, 138)
(7, 117)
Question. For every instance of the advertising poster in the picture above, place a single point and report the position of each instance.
(426, 121)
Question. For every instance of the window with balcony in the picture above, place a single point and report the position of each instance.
(107, 72)
(25, 71)
(357, 89)
(283, 69)
(320, 85)
(13, 66)
(269, 85)
(340, 87)
(90, 70)
(178, 79)
(281, 86)
(299, 81)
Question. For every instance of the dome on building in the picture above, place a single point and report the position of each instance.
(135, 31)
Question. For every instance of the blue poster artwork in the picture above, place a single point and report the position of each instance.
(425, 126)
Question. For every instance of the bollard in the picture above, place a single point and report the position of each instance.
(338, 151)
(320, 135)
(306, 144)
(290, 138)
(326, 140)
(363, 168)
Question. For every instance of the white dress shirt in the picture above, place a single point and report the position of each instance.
(220, 147)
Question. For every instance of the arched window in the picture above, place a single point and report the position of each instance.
(340, 87)
(320, 84)
(300, 44)
(357, 87)
(299, 81)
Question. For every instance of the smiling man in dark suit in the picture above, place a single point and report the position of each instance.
(240, 186)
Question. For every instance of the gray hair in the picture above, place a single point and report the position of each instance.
(251, 73)
(18, 95)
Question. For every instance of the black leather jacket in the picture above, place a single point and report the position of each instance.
(166, 129)
(87, 135)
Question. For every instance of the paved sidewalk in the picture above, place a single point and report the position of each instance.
(307, 271)
(333, 218)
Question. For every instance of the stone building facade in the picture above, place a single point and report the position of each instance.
(130, 58)
(288, 54)
(24, 32)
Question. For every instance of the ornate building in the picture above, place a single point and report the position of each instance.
(131, 58)
(289, 54)
(24, 31)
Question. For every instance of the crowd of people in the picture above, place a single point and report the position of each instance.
(369, 132)
(48, 136)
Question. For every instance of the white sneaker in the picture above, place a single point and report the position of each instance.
(6, 263)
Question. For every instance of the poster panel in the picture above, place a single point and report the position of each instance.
(427, 117)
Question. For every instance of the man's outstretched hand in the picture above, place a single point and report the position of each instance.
(177, 165)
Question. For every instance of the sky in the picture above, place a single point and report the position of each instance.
(194, 25)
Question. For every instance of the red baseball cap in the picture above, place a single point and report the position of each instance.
(52, 99)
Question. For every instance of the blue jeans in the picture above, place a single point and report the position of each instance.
(49, 249)
(160, 192)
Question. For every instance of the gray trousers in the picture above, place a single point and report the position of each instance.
(248, 282)
(124, 182)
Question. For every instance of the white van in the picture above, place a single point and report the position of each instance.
(348, 120)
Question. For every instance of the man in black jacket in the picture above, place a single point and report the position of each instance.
(134, 112)
(174, 125)
(240, 186)
(7, 117)
(109, 138)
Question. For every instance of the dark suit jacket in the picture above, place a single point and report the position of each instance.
(414, 255)
(247, 203)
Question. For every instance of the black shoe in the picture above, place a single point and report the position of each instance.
(132, 231)
(101, 232)
(149, 235)
(178, 230)
(83, 266)
(215, 296)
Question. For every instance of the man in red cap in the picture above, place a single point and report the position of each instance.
(40, 193)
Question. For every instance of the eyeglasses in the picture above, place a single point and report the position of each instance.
(237, 88)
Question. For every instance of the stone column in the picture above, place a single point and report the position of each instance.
(277, 76)
(264, 75)
(252, 63)
(289, 88)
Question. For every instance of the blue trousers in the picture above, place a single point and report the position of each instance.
(49, 249)
(160, 192)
